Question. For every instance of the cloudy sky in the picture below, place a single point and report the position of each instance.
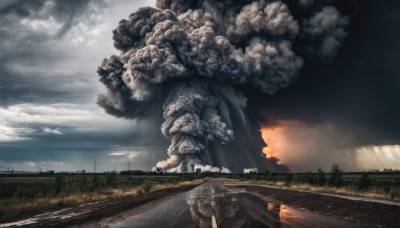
(347, 112)
(50, 51)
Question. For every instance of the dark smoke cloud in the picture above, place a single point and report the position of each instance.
(190, 57)
(358, 93)
(324, 33)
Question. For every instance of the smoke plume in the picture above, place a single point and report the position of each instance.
(192, 57)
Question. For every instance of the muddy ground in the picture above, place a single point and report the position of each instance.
(369, 213)
(103, 213)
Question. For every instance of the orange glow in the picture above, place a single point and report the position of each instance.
(285, 213)
(276, 141)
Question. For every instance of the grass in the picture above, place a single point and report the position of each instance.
(366, 184)
(72, 191)
(24, 196)
(375, 192)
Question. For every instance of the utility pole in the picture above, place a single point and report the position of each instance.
(129, 165)
(38, 169)
(94, 167)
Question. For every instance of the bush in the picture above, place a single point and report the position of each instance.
(146, 186)
(364, 182)
(320, 177)
(394, 192)
(308, 178)
(82, 183)
(304, 178)
(336, 176)
(110, 180)
(139, 191)
(288, 177)
(397, 182)
(58, 184)
(18, 194)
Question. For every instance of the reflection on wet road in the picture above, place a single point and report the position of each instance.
(217, 204)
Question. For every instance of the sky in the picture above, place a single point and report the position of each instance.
(346, 112)
(50, 52)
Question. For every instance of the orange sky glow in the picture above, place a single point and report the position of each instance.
(305, 147)
(276, 141)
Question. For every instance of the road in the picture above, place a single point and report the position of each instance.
(217, 203)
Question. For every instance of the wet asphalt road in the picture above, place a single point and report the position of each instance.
(219, 204)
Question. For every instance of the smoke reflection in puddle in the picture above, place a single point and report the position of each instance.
(282, 211)
(245, 210)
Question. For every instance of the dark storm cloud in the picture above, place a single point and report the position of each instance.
(16, 87)
(360, 91)
(83, 148)
(48, 87)
(16, 15)
(66, 134)
(67, 13)
(31, 33)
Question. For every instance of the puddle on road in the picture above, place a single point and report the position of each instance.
(216, 205)
(245, 210)
(224, 206)
(283, 212)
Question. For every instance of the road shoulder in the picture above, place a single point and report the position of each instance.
(364, 212)
(102, 213)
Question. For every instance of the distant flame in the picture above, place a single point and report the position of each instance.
(275, 139)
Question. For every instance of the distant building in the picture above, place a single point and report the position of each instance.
(198, 170)
(250, 170)
(191, 168)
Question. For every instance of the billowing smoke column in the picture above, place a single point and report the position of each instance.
(191, 58)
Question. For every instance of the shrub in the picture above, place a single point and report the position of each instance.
(139, 191)
(146, 186)
(288, 177)
(364, 182)
(304, 178)
(397, 182)
(336, 176)
(82, 183)
(18, 194)
(308, 178)
(58, 184)
(394, 192)
(320, 177)
(110, 180)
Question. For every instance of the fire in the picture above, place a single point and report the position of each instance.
(275, 139)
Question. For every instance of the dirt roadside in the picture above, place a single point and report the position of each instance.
(103, 213)
(369, 213)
